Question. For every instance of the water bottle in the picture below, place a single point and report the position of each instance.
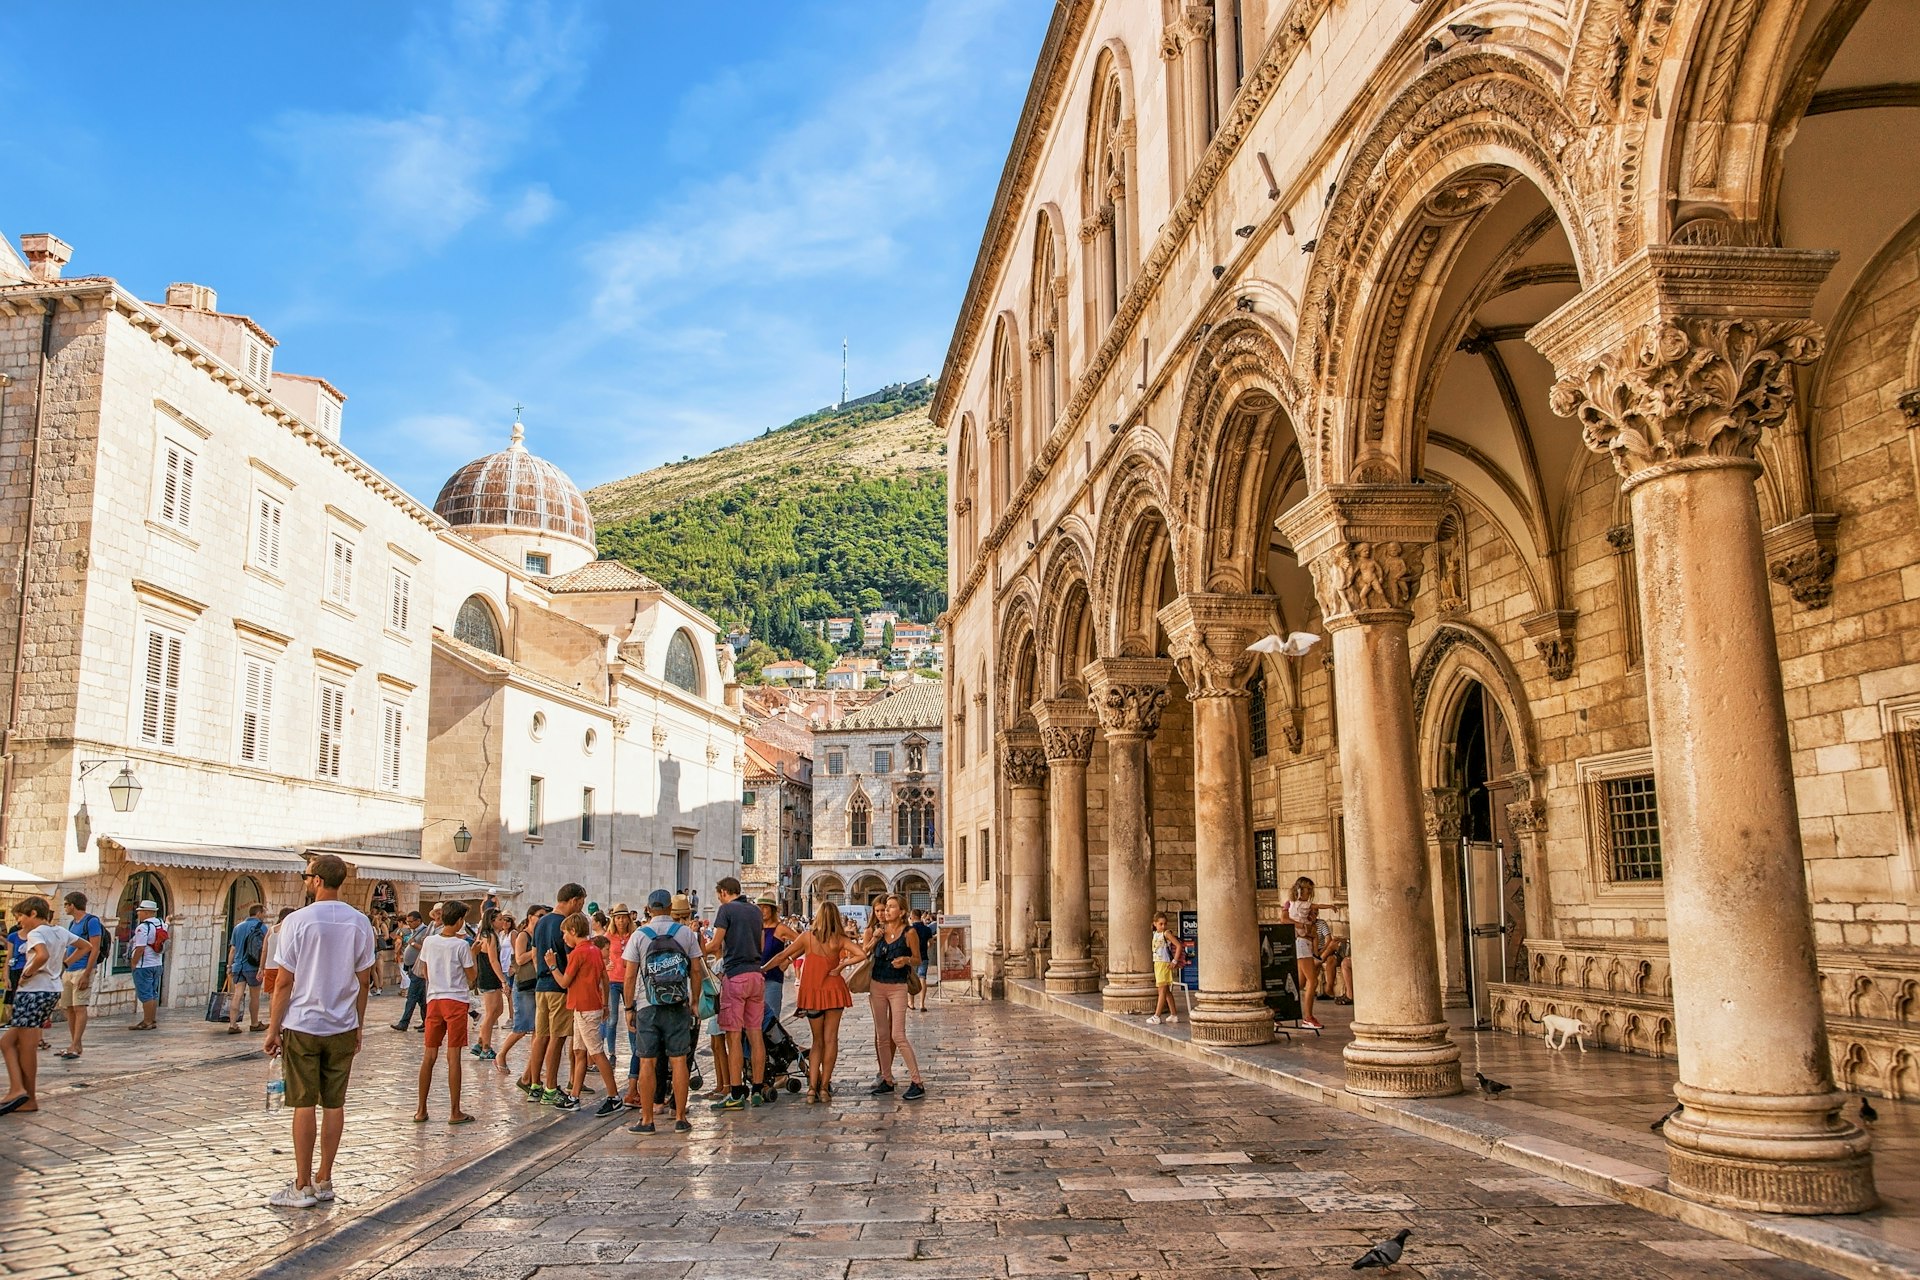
(276, 1084)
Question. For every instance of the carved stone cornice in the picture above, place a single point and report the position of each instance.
(1365, 545)
(1800, 557)
(1684, 355)
(1208, 634)
(1128, 694)
(1552, 634)
(1066, 730)
(1022, 760)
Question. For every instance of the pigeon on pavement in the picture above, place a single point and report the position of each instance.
(1491, 1087)
(1661, 1123)
(1384, 1254)
(1294, 645)
(1867, 1112)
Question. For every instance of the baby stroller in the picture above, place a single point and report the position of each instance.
(786, 1060)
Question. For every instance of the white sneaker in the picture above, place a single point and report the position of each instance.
(1173, 1017)
(323, 1190)
(1154, 1019)
(293, 1197)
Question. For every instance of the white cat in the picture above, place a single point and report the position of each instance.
(1563, 1026)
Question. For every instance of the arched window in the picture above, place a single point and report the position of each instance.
(1191, 46)
(683, 665)
(1043, 326)
(859, 822)
(1107, 196)
(965, 484)
(142, 886)
(1003, 414)
(475, 625)
(913, 821)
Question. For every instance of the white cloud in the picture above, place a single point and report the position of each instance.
(414, 179)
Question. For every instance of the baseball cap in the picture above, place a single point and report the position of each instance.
(659, 900)
(148, 904)
(593, 908)
(682, 906)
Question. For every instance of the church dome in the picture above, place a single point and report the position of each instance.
(514, 490)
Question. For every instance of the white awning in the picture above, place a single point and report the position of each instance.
(392, 866)
(14, 875)
(466, 887)
(207, 857)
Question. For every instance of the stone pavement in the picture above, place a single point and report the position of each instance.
(152, 1156)
(1047, 1150)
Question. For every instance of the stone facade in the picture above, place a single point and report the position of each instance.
(778, 817)
(1538, 368)
(877, 785)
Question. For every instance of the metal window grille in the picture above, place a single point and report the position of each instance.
(1258, 716)
(1266, 860)
(1629, 828)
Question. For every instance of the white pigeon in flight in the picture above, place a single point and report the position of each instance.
(1292, 646)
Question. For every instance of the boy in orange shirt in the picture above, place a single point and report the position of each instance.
(585, 982)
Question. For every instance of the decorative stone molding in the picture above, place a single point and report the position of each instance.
(1552, 635)
(1526, 812)
(1910, 406)
(1022, 760)
(1800, 557)
(1445, 808)
(1684, 355)
(1209, 634)
(1365, 545)
(1066, 730)
(1620, 537)
(1128, 694)
(659, 736)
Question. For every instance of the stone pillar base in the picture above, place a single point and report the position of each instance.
(1231, 1017)
(1020, 964)
(1128, 993)
(1402, 1062)
(1795, 1154)
(1077, 976)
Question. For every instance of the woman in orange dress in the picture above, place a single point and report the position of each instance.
(826, 949)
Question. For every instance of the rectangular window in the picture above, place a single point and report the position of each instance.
(400, 602)
(960, 863)
(882, 760)
(160, 693)
(258, 362)
(586, 815)
(836, 763)
(537, 562)
(986, 857)
(392, 729)
(536, 804)
(176, 488)
(1266, 861)
(332, 726)
(340, 571)
(747, 849)
(1629, 828)
(269, 513)
(329, 423)
(256, 711)
(1257, 714)
(749, 798)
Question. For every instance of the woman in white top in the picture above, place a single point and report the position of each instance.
(1303, 914)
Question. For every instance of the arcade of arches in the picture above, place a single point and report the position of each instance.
(1557, 368)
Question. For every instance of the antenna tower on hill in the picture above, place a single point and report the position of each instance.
(843, 374)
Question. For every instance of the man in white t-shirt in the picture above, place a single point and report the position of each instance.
(325, 956)
(33, 1001)
(447, 957)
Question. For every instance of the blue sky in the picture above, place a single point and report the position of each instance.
(649, 222)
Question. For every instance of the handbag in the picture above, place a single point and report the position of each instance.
(217, 1006)
(861, 979)
(915, 983)
(709, 998)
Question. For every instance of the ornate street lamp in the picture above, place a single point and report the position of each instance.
(462, 839)
(125, 789)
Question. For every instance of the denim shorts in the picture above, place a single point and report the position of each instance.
(523, 1011)
(146, 983)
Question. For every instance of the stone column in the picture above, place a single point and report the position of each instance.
(1209, 635)
(1365, 545)
(1024, 766)
(1066, 734)
(1128, 695)
(1674, 365)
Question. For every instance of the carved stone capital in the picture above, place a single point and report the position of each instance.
(1552, 634)
(1685, 354)
(997, 427)
(1208, 634)
(1366, 545)
(1800, 557)
(1066, 730)
(1444, 810)
(1021, 758)
(1128, 694)
(1620, 537)
(1910, 405)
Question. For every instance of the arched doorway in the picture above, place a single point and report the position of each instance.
(241, 895)
(825, 888)
(866, 889)
(1482, 860)
(918, 893)
(141, 886)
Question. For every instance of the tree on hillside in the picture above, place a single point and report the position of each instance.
(886, 638)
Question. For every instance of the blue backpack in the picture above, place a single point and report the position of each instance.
(664, 968)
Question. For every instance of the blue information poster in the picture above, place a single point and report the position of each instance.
(1190, 935)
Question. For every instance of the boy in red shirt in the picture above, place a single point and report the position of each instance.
(585, 982)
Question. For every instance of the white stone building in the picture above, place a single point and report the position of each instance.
(877, 802)
(212, 597)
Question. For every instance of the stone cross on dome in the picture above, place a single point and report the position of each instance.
(519, 432)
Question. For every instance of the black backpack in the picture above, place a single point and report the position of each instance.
(664, 968)
(254, 946)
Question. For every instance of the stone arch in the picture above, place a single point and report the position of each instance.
(1134, 538)
(1109, 190)
(1066, 612)
(1442, 153)
(1019, 655)
(1236, 426)
(965, 484)
(1458, 656)
(1046, 326)
(1003, 413)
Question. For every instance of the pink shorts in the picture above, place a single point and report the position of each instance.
(743, 1001)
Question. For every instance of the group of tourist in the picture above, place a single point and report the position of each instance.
(1323, 959)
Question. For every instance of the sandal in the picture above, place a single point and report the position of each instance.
(68, 1054)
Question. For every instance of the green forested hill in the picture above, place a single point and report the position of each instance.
(834, 513)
